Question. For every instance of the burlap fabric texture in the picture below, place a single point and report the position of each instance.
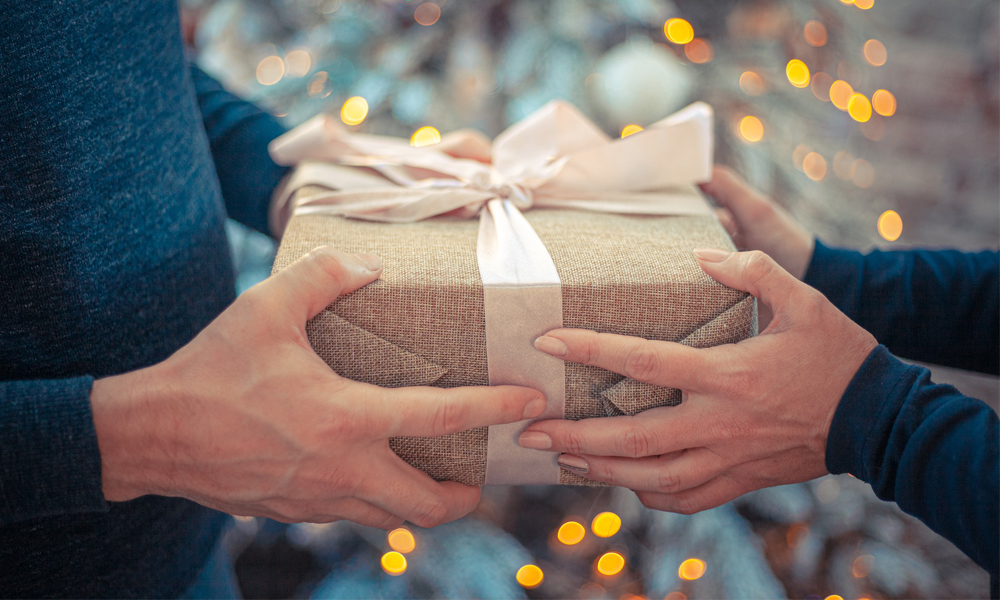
(422, 323)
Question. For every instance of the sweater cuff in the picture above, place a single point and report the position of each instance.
(837, 273)
(51, 463)
(865, 414)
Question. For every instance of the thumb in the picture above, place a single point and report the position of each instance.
(312, 282)
(752, 272)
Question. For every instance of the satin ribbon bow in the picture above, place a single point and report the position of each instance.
(555, 158)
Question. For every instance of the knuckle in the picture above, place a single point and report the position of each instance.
(642, 362)
(571, 441)
(667, 482)
(636, 442)
(430, 513)
(590, 351)
(328, 260)
(449, 417)
(758, 266)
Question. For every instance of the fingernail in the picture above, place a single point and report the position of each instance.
(534, 408)
(573, 463)
(371, 261)
(536, 440)
(712, 255)
(551, 345)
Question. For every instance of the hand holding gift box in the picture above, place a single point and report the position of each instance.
(606, 245)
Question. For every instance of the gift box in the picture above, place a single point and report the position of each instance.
(441, 315)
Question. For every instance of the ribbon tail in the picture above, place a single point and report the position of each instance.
(522, 298)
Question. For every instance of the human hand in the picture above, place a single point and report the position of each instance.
(755, 222)
(753, 414)
(247, 419)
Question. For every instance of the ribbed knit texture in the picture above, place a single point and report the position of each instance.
(112, 256)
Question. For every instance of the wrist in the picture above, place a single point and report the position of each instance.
(130, 426)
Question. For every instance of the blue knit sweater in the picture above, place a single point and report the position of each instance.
(112, 256)
(119, 166)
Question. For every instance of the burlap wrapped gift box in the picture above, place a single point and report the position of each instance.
(422, 323)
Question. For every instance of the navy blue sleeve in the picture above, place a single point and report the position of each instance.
(926, 447)
(238, 133)
(50, 463)
(941, 307)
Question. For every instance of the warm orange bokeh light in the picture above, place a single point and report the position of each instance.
(354, 111)
(815, 33)
(862, 566)
(799, 155)
(840, 93)
(814, 166)
(393, 563)
(610, 563)
(298, 62)
(820, 85)
(270, 70)
(875, 53)
(425, 136)
(751, 128)
(890, 225)
(401, 540)
(427, 14)
(884, 103)
(751, 83)
(678, 31)
(571, 533)
(859, 108)
(530, 576)
(606, 524)
(691, 569)
(834, 597)
(797, 72)
(864, 4)
(699, 51)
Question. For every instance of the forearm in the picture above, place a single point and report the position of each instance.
(935, 306)
(926, 447)
(238, 134)
(49, 458)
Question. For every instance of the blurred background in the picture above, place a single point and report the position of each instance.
(874, 121)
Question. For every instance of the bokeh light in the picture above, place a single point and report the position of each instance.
(270, 70)
(354, 111)
(675, 596)
(425, 136)
(691, 569)
(862, 173)
(797, 72)
(630, 130)
(427, 14)
(571, 532)
(834, 597)
(530, 576)
(890, 225)
(840, 93)
(394, 563)
(814, 166)
(320, 86)
(820, 86)
(699, 51)
(842, 162)
(875, 53)
(815, 33)
(678, 31)
(795, 535)
(884, 103)
(799, 155)
(610, 564)
(298, 63)
(864, 4)
(751, 128)
(606, 524)
(751, 83)
(401, 540)
(862, 566)
(859, 108)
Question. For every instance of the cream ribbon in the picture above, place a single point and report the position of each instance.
(555, 158)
